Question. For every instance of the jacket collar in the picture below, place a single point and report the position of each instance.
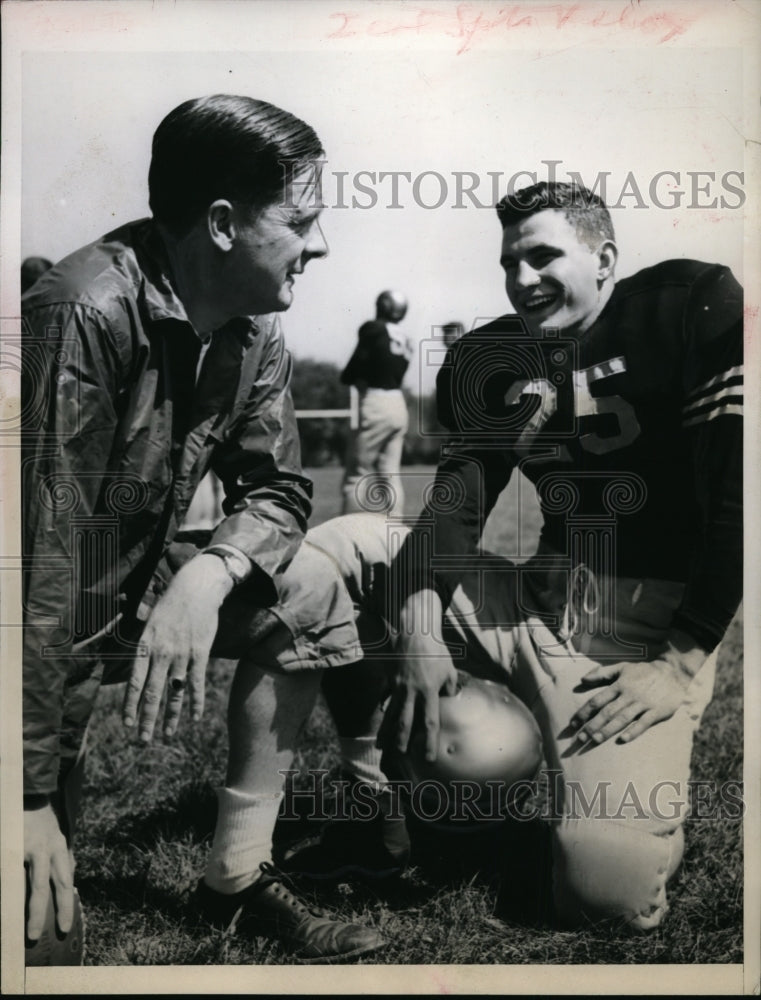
(160, 299)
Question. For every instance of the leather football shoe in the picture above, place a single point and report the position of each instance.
(272, 908)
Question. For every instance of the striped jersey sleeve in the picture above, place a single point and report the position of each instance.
(712, 418)
(721, 395)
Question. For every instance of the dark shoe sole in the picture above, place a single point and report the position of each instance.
(338, 959)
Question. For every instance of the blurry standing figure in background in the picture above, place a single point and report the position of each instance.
(452, 332)
(33, 268)
(377, 368)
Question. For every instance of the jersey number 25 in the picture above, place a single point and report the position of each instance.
(585, 405)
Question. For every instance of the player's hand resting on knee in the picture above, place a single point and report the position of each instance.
(636, 695)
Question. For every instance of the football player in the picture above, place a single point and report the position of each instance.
(376, 369)
(621, 402)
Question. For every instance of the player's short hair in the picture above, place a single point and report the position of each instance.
(225, 146)
(585, 211)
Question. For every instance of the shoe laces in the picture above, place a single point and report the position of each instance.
(287, 890)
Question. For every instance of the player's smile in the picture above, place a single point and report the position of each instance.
(538, 303)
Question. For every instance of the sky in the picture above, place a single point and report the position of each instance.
(492, 115)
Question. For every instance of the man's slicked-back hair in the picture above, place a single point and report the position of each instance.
(223, 146)
(585, 211)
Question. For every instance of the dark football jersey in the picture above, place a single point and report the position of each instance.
(381, 357)
(631, 434)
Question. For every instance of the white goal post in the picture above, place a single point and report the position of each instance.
(352, 412)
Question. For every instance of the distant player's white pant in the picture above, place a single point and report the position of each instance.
(372, 481)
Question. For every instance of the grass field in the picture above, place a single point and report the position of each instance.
(149, 815)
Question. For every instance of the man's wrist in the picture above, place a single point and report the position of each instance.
(685, 655)
(237, 564)
(206, 575)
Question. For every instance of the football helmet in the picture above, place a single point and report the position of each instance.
(486, 735)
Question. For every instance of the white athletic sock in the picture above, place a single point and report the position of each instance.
(242, 838)
(362, 759)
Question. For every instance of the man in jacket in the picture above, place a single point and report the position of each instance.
(150, 356)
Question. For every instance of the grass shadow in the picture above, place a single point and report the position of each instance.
(192, 812)
(133, 894)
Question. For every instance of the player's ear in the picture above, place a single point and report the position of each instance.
(607, 255)
(221, 225)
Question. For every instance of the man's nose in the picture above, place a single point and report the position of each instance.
(526, 275)
(317, 245)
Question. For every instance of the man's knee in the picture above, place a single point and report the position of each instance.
(312, 626)
(608, 870)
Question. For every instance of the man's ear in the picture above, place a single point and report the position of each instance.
(221, 225)
(607, 255)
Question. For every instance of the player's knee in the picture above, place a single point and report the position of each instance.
(605, 870)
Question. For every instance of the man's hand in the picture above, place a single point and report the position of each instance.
(178, 637)
(47, 858)
(425, 672)
(638, 694)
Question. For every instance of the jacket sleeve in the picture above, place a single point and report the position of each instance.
(469, 479)
(267, 497)
(712, 419)
(71, 373)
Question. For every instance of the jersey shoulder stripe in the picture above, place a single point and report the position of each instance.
(730, 407)
(719, 396)
(732, 376)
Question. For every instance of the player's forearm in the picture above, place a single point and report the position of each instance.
(448, 536)
(714, 588)
(714, 432)
(420, 616)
